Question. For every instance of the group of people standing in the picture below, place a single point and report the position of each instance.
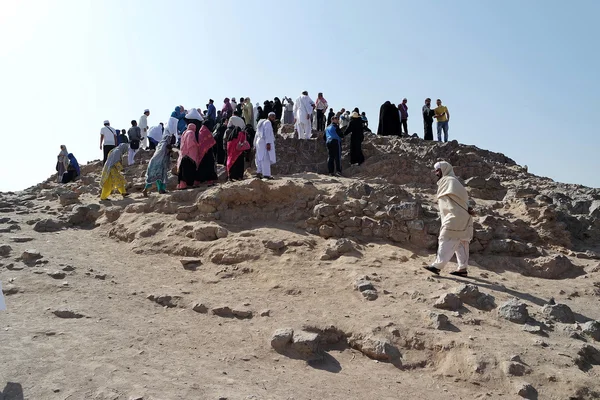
(393, 121)
(67, 167)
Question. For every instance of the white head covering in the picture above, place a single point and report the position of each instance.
(194, 114)
(146, 110)
(106, 122)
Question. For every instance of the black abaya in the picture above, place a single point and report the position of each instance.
(218, 149)
(355, 129)
(389, 120)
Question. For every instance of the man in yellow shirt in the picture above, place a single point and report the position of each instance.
(443, 116)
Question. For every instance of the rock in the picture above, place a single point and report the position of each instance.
(370, 294)
(31, 256)
(68, 198)
(376, 348)
(227, 312)
(337, 248)
(536, 329)
(57, 274)
(242, 313)
(448, 301)
(361, 285)
(592, 329)
(281, 338)
(20, 239)
(48, 225)
(164, 300)
(10, 289)
(587, 356)
(101, 277)
(404, 211)
(526, 390)
(5, 250)
(558, 312)
(112, 213)
(190, 264)
(556, 266)
(65, 313)
(265, 313)
(84, 214)
(305, 344)
(68, 268)
(439, 321)
(513, 368)
(274, 245)
(470, 294)
(200, 308)
(514, 311)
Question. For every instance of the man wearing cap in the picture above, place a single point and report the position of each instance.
(211, 115)
(303, 108)
(143, 124)
(457, 221)
(264, 143)
(108, 140)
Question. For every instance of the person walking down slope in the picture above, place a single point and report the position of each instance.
(443, 117)
(333, 141)
(108, 140)
(62, 163)
(403, 107)
(457, 221)
(264, 143)
(159, 166)
(112, 177)
(236, 145)
(135, 139)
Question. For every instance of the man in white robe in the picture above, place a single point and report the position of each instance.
(255, 116)
(264, 143)
(457, 221)
(143, 124)
(303, 108)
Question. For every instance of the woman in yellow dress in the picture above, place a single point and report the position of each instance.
(112, 177)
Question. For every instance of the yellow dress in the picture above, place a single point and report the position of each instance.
(114, 180)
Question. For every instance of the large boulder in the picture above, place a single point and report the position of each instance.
(559, 313)
(514, 311)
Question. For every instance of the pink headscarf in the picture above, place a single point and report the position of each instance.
(189, 146)
(232, 149)
(206, 142)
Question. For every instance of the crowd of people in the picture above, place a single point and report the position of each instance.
(229, 136)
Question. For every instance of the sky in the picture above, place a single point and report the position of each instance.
(518, 77)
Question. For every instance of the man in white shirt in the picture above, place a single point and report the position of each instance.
(236, 120)
(303, 108)
(143, 124)
(108, 139)
(155, 135)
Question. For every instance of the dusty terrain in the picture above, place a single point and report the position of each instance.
(189, 295)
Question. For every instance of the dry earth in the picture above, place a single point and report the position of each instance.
(306, 287)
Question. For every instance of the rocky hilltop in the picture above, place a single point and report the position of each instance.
(308, 286)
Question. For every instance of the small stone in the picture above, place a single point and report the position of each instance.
(448, 301)
(64, 313)
(515, 369)
(10, 289)
(274, 245)
(30, 256)
(439, 321)
(164, 300)
(68, 268)
(265, 313)
(100, 276)
(242, 313)
(586, 356)
(21, 239)
(5, 250)
(190, 264)
(526, 390)
(200, 308)
(281, 338)
(516, 358)
(591, 329)
(136, 397)
(362, 285)
(536, 329)
(305, 344)
(558, 312)
(57, 275)
(370, 294)
(514, 311)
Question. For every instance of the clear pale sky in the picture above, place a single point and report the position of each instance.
(519, 77)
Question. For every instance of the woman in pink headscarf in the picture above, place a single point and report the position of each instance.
(189, 158)
(207, 169)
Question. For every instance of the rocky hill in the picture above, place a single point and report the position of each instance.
(305, 287)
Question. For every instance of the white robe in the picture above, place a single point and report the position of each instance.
(155, 133)
(171, 128)
(302, 111)
(264, 158)
(143, 124)
(255, 112)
